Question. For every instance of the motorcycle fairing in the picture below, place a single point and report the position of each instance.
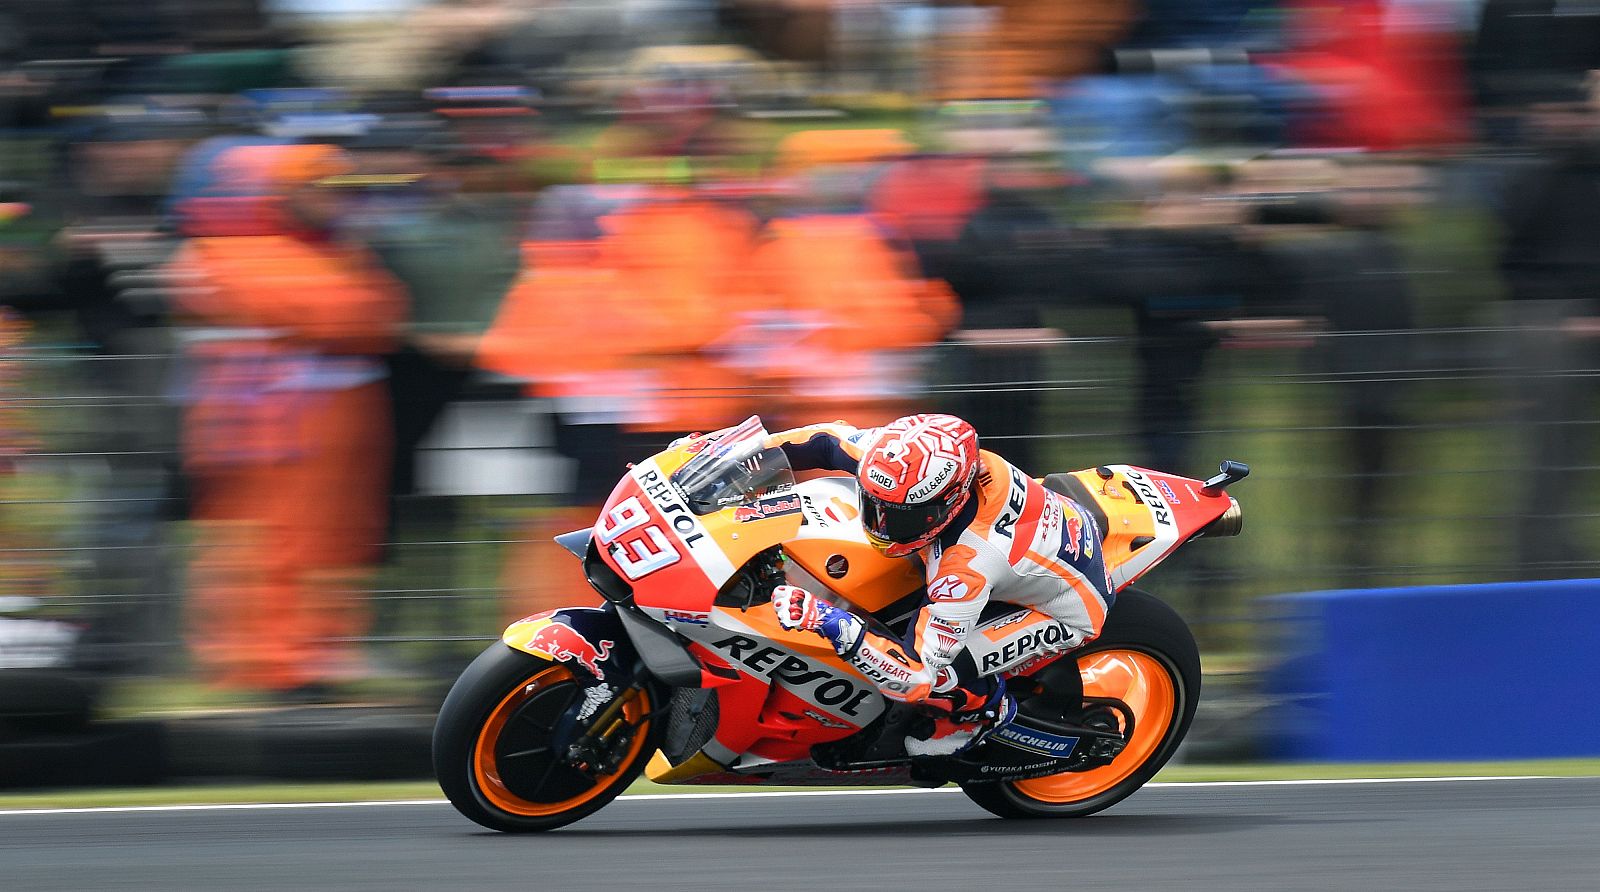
(802, 663)
(832, 549)
(1148, 515)
(796, 774)
(590, 639)
(673, 558)
(792, 693)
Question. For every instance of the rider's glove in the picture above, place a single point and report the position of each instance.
(798, 609)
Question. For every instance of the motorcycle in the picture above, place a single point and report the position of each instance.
(684, 674)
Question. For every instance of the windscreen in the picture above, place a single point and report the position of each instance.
(733, 468)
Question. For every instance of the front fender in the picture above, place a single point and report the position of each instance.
(607, 643)
(591, 640)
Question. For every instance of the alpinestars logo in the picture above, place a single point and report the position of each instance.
(948, 588)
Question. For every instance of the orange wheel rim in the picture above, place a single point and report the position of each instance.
(497, 773)
(1145, 684)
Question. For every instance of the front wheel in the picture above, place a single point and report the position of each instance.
(1146, 657)
(502, 746)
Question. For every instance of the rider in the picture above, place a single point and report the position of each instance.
(981, 527)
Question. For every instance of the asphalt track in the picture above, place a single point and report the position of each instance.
(1493, 835)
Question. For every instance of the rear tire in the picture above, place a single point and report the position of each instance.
(1147, 654)
(498, 739)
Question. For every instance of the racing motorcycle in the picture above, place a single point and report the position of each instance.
(686, 675)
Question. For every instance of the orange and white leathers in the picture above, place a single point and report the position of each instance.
(1015, 541)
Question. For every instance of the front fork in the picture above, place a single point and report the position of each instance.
(599, 749)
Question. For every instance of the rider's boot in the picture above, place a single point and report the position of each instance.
(973, 715)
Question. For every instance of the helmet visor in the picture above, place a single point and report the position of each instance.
(901, 524)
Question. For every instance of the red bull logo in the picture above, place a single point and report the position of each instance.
(563, 643)
(767, 508)
(698, 441)
(1070, 539)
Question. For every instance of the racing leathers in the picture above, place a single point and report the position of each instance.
(1015, 541)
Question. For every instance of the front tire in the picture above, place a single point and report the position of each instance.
(1145, 656)
(499, 743)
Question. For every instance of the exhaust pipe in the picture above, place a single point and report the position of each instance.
(1231, 523)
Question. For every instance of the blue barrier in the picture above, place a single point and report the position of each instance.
(1503, 671)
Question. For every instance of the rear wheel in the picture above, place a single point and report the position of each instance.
(502, 743)
(1146, 657)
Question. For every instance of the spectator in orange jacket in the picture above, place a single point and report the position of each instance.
(286, 423)
(844, 315)
(621, 331)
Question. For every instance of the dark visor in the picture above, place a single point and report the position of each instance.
(901, 524)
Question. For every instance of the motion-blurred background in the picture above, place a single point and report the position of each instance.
(318, 318)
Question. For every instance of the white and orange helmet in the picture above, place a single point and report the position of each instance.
(914, 479)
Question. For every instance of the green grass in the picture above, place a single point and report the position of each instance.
(404, 790)
(179, 696)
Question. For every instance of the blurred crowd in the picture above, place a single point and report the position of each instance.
(284, 238)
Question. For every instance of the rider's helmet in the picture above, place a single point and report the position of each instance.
(914, 479)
